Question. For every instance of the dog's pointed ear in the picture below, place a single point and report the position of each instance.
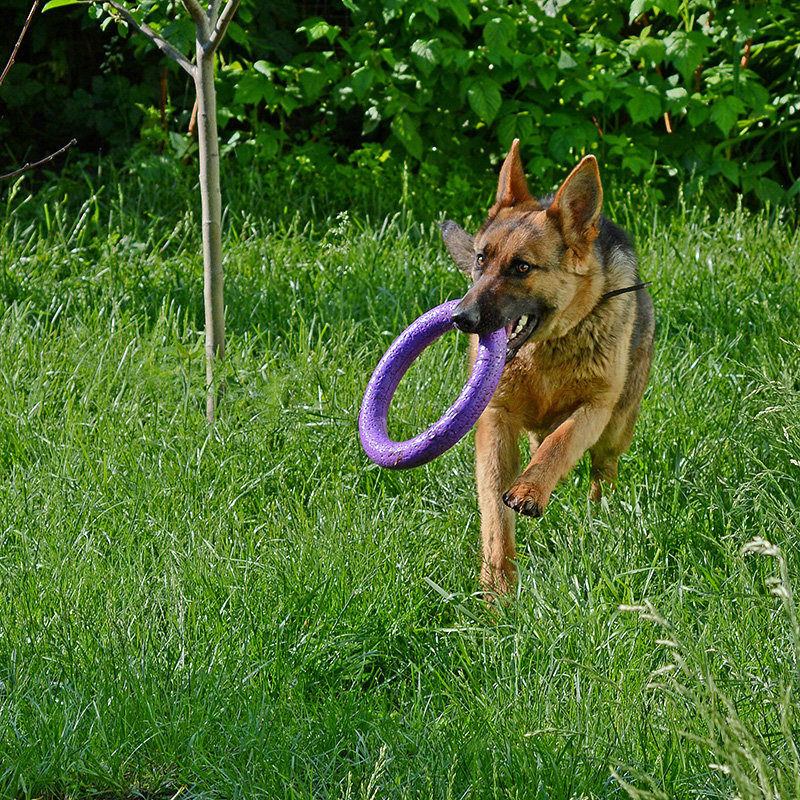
(460, 244)
(512, 188)
(577, 204)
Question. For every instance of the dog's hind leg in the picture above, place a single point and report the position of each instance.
(604, 471)
(618, 434)
(496, 466)
(614, 441)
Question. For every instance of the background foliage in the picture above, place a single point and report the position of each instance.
(674, 92)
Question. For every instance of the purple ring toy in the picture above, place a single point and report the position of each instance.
(456, 421)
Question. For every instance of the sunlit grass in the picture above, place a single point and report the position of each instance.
(256, 610)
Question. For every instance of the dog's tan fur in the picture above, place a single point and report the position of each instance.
(577, 382)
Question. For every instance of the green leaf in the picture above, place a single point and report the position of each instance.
(288, 103)
(725, 112)
(677, 100)
(566, 61)
(754, 95)
(546, 76)
(635, 162)
(497, 33)
(686, 51)
(638, 7)
(463, 59)
(313, 81)
(252, 88)
(730, 169)
(768, 190)
(677, 95)
(267, 142)
(484, 98)
(318, 29)
(698, 111)
(372, 118)
(646, 48)
(507, 129)
(459, 9)
(431, 12)
(58, 3)
(248, 90)
(389, 57)
(264, 68)
(644, 105)
(514, 126)
(361, 81)
(426, 53)
(238, 34)
(404, 128)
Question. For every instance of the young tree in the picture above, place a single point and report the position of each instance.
(210, 27)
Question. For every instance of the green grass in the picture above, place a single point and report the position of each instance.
(255, 610)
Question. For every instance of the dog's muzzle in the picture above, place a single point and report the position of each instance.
(519, 331)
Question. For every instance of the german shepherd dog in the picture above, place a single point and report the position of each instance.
(564, 282)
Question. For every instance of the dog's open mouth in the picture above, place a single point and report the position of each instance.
(518, 332)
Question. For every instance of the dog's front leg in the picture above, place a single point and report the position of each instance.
(496, 465)
(556, 456)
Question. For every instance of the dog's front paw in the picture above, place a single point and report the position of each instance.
(525, 499)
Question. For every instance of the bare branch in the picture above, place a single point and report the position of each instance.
(222, 23)
(28, 166)
(19, 41)
(195, 11)
(161, 43)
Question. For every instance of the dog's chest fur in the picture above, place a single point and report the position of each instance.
(549, 379)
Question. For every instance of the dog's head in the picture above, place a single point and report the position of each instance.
(532, 263)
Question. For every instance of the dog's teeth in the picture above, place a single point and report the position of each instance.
(521, 323)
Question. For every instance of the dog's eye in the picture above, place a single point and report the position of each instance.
(522, 268)
(479, 261)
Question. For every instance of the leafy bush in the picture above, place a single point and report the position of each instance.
(661, 91)
(697, 93)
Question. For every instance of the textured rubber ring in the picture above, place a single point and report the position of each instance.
(456, 421)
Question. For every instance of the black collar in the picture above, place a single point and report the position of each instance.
(626, 289)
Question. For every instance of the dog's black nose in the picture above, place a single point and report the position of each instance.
(466, 318)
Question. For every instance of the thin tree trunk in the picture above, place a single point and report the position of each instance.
(211, 198)
(210, 29)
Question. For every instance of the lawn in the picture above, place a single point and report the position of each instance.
(255, 610)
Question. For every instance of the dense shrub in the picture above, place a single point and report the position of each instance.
(667, 93)
(679, 90)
